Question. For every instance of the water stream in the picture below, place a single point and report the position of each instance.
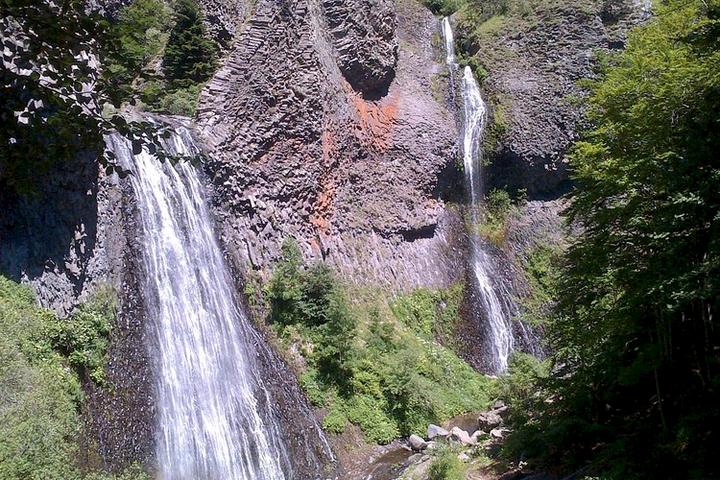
(494, 296)
(210, 401)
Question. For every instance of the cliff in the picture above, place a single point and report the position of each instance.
(322, 125)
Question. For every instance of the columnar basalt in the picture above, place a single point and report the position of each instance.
(352, 162)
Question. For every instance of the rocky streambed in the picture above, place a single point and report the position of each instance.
(475, 438)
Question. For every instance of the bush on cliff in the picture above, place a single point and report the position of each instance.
(190, 56)
(40, 394)
(364, 364)
(149, 34)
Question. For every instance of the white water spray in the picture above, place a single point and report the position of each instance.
(208, 395)
(497, 309)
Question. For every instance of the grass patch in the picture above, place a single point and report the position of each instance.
(371, 363)
(541, 267)
(446, 465)
(498, 209)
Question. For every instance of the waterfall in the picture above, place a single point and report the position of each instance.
(497, 309)
(211, 419)
(449, 43)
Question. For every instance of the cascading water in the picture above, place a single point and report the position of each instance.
(498, 309)
(210, 401)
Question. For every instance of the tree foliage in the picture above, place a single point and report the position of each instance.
(52, 93)
(365, 365)
(190, 56)
(636, 347)
(40, 394)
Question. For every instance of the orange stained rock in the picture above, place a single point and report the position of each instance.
(377, 119)
(324, 202)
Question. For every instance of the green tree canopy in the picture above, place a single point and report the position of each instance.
(190, 56)
(635, 340)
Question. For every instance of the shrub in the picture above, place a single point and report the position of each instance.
(38, 395)
(182, 101)
(498, 209)
(431, 313)
(83, 337)
(446, 465)
(377, 370)
(335, 421)
(137, 37)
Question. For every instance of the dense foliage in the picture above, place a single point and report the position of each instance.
(446, 465)
(53, 93)
(190, 56)
(138, 38)
(164, 54)
(364, 364)
(636, 362)
(40, 396)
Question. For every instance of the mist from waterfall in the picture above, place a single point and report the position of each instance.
(212, 422)
(494, 297)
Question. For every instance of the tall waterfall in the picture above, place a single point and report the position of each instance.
(497, 309)
(209, 398)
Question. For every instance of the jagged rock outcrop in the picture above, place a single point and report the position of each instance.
(363, 34)
(297, 151)
(223, 19)
(534, 62)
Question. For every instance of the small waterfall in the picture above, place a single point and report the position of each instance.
(449, 43)
(494, 296)
(212, 422)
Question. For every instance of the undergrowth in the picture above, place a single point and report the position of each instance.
(370, 363)
(42, 358)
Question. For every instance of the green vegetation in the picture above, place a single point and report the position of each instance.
(367, 363)
(55, 65)
(635, 367)
(498, 209)
(38, 417)
(40, 396)
(148, 34)
(138, 37)
(190, 57)
(446, 465)
(432, 314)
(83, 337)
(541, 268)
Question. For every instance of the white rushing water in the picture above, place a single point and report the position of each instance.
(449, 42)
(496, 308)
(209, 421)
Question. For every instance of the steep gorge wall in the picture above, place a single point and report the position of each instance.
(534, 61)
(322, 126)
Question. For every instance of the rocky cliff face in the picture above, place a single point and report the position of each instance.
(534, 60)
(322, 126)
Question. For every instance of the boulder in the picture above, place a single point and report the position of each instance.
(498, 433)
(463, 457)
(475, 437)
(435, 431)
(459, 435)
(417, 443)
(489, 420)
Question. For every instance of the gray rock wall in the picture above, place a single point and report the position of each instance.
(534, 61)
(322, 126)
